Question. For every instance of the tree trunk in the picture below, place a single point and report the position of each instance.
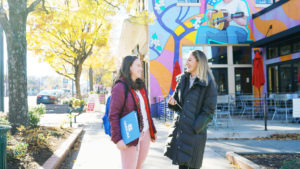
(91, 79)
(17, 68)
(78, 70)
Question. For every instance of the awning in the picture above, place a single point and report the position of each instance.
(133, 35)
(284, 35)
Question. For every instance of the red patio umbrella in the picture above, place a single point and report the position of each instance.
(258, 75)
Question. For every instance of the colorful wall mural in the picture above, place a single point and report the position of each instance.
(281, 18)
(176, 26)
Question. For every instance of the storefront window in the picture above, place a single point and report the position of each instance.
(285, 78)
(273, 79)
(296, 77)
(243, 81)
(241, 55)
(296, 46)
(220, 75)
(218, 54)
(285, 49)
(272, 52)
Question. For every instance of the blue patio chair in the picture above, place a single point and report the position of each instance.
(282, 105)
(223, 110)
(247, 102)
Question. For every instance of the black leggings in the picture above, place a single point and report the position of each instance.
(185, 167)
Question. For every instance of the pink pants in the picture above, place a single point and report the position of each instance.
(133, 157)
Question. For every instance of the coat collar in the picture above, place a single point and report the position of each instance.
(186, 76)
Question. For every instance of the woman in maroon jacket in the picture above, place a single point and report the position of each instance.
(134, 153)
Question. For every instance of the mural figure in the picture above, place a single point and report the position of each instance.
(227, 23)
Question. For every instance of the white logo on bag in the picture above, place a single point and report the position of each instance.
(128, 128)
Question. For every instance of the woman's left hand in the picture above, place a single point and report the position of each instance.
(153, 140)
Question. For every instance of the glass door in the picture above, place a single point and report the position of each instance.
(273, 82)
(220, 75)
(285, 75)
(296, 78)
(243, 81)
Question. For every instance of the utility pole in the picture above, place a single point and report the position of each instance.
(1, 72)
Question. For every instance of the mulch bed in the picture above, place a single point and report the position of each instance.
(35, 158)
(272, 161)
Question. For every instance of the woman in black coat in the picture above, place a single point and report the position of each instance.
(194, 99)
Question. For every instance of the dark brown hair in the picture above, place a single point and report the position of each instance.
(124, 73)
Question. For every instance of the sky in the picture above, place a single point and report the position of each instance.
(34, 67)
(38, 69)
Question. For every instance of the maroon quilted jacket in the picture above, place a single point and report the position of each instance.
(116, 111)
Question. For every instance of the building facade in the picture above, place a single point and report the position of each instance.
(277, 34)
(184, 25)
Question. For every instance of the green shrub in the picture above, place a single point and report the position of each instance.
(4, 120)
(35, 114)
(37, 137)
(17, 151)
(82, 103)
(295, 164)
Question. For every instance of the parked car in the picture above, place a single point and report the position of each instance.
(47, 97)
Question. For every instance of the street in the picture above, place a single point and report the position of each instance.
(50, 108)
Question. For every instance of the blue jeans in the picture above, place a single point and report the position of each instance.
(232, 35)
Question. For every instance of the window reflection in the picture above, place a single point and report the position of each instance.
(284, 77)
(296, 47)
(243, 81)
(272, 52)
(285, 49)
(241, 55)
(220, 75)
(218, 54)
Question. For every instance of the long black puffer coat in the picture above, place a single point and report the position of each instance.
(186, 143)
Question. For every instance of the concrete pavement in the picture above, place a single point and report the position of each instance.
(241, 128)
(97, 151)
(257, 146)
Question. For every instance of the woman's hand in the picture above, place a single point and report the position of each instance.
(121, 145)
(153, 139)
(172, 101)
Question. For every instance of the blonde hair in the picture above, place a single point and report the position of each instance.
(202, 67)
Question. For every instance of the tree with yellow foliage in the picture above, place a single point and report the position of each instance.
(69, 34)
(101, 67)
(13, 18)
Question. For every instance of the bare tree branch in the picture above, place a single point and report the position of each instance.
(109, 3)
(67, 76)
(64, 59)
(33, 5)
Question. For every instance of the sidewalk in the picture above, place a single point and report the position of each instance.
(257, 146)
(97, 151)
(241, 128)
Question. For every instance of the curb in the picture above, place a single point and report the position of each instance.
(59, 155)
(247, 135)
(242, 162)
